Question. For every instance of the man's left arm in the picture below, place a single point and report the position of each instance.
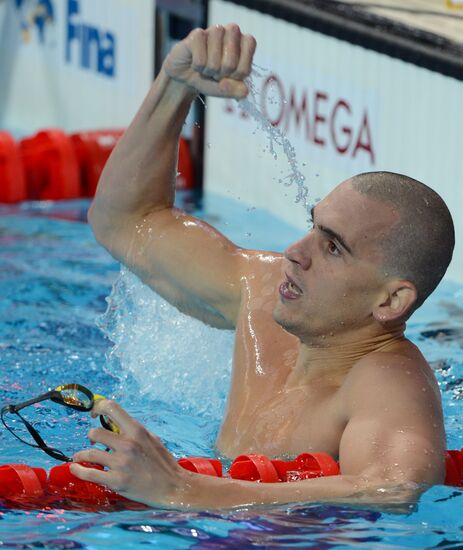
(388, 451)
(395, 429)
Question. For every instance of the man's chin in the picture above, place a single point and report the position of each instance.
(283, 321)
(276, 314)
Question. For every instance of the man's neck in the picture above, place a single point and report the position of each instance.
(328, 364)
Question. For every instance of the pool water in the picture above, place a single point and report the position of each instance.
(172, 374)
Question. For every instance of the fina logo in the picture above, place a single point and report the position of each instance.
(92, 48)
(40, 15)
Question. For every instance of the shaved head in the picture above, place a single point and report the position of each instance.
(419, 246)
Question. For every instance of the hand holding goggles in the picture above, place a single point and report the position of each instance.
(74, 396)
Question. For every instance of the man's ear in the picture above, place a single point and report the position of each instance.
(396, 301)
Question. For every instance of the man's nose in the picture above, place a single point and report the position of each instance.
(299, 253)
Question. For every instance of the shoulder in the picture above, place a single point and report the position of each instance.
(261, 266)
(394, 420)
(401, 376)
(404, 360)
(263, 257)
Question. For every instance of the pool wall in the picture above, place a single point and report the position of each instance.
(350, 97)
(74, 64)
(345, 107)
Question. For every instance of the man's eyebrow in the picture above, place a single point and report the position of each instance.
(330, 232)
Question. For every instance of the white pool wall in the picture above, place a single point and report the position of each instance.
(385, 113)
(87, 67)
(408, 119)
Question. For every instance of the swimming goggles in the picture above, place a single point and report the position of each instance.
(74, 396)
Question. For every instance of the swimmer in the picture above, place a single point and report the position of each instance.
(321, 362)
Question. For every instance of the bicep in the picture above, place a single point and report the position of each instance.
(395, 429)
(185, 260)
(390, 452)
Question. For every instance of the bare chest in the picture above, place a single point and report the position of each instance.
(290, 422)
(263, 415)
(265, 412)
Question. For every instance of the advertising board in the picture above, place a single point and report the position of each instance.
(75, 64)
(345, 110)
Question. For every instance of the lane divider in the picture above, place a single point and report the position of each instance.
(26, 487)
(50, 166)
(12, 180)
(53, 165)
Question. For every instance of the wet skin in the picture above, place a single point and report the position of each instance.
(320, 360)
(290, 392)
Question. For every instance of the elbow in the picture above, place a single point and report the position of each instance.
(91, 214)
(102, 225)
(94, 220)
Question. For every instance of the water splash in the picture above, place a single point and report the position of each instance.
(157, 346)
(275, 137)
(170, 356)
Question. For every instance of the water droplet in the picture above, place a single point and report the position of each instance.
(276, 137)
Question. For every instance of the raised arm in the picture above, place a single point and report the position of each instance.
(185, 260)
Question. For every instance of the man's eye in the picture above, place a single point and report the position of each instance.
(333, 248)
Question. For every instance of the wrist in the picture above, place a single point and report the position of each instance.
(185, 490)
(177, 89)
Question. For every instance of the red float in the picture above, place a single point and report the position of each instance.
(185, 172)
(21, 485)
(92, 149)
(50, 166)
(12, 181)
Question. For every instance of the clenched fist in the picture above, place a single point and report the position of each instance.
(214, 61)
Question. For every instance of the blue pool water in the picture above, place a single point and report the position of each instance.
(172, 374)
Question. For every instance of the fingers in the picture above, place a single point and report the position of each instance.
(215, 40)
(140, 467)
(248, 47)
(90, 474)
(104, 437)
(95, 456)
(229, 52)
(221, 60)
(198, 39)
(117, 414)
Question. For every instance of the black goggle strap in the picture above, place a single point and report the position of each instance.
(56, 396)
(51, 451)
(53, 394)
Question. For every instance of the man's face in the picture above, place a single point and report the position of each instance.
(332, 277)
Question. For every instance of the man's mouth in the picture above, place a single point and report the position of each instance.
(289, 289)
